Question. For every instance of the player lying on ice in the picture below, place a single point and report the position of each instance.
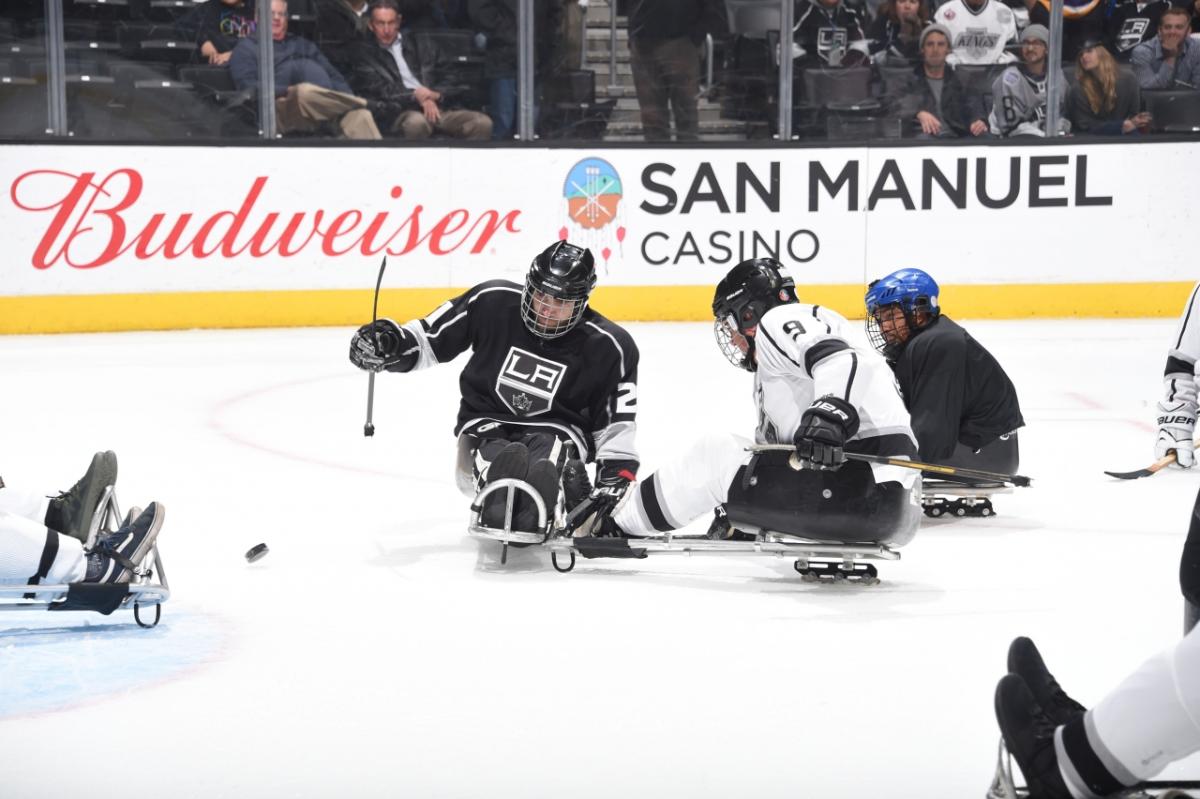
(964, 408)
(42, 540)
(812, 389)
(550, 384)
(1148, 721)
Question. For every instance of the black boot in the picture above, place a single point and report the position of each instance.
(1029, 735)
(512, 462)
(1025, 660)
(71, 512)
(576, 485)
(544, 479)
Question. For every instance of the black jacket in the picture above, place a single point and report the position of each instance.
(376, 76)
(883, 37)
(497, 19)
(651, 20)
(955, 391)
(1085, 120)
(959, 106)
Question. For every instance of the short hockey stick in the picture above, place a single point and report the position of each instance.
(948, 471)
(369, 427)
(1162, 462)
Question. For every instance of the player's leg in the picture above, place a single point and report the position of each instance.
(1189, 571)
(1002, 455)
(70, 512)
(32, 553)
(1150, 720)
(684, 489)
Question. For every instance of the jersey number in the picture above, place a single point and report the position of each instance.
(627, 398)
(794, 329)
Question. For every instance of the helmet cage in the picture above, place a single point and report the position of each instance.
(543, 311)
(727, 332)
(557, 287)
(913, 292)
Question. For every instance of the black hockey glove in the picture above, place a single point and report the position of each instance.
(824, 429)
(384, 345)
(612, 481)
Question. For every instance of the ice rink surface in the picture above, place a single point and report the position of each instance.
(377, 651)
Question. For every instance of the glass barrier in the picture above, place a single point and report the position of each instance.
(654, 71)
(24, 100)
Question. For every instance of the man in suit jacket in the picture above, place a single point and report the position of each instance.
(393, 73)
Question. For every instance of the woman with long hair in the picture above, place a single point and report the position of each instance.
(1104, 100)
(894, 34)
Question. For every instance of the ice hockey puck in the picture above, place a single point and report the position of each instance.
(256, 552)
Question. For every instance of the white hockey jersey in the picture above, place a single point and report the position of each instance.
(1183, 358)
(802, 355)
(978, 36)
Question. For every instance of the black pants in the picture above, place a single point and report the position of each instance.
(476, 452)
(842, 506)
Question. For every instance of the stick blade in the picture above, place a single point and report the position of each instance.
(1130, 475)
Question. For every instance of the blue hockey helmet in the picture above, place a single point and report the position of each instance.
(915, 292)
(742, 297)
(557, 287)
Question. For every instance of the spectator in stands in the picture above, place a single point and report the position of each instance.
(1132, 22)
(1082, 20)
(1019, 94)
(422, 15)
(980, 30)
(894, 36)
(664, 41)
(1170, 60)
(394, 73)
(828, 33)
(939, 104)
(308, 90)
(497, 20)
(222, 24)
(1105, 100)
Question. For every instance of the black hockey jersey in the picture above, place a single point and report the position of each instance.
(955, 391)
(828, 36)
(582, 384)
(1132, 22)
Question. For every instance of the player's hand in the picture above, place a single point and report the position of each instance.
(824, 429)
(1176, 431)
(383, 345)
(612, 481)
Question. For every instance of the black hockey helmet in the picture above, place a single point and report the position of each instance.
(556, 289)
(742, 298)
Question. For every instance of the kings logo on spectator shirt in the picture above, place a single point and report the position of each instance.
(595, 212)
(527, 383)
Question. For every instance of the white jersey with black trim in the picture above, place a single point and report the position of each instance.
(978, 35)
(1183, 358)
(803, 354)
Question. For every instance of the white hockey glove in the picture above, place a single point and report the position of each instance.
(1176, 431)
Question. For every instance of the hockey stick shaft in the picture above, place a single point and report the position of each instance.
(1159, 464)
(949, 471)
(369, 427)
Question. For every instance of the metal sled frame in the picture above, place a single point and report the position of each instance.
(563, 547)
(148, 586)
(1004, 786)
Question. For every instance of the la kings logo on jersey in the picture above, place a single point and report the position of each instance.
(527, 383)
(976, 41)
(1131, 33)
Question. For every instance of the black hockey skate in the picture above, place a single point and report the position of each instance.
(836, 571)
(1025, 661)
(1029, 735)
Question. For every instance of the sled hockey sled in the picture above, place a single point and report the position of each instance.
(146, 588)
(815, 561)
(1004, 786)
(942, 498)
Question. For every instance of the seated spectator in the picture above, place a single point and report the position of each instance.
(1170, 60)
(939, 105)
(1082, 20)
(425, 15)
(828, 33)
(1019, 94)
(1104, 100)
(222, 24)
(664, 52)
(395, 72)
(308, 90)
(893, 38)
(1132, 22)
(980, 30)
